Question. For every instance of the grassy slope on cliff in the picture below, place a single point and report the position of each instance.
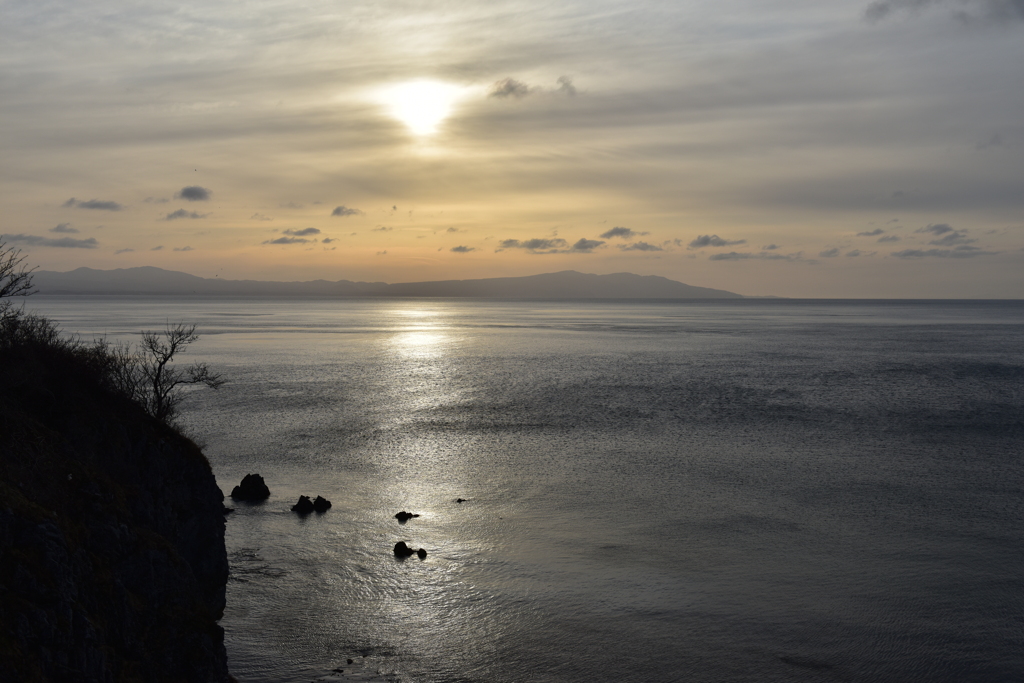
(112, 561)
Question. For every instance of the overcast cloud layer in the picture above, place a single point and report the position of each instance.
(781, 147)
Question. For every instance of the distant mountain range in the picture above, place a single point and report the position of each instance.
(567, 284)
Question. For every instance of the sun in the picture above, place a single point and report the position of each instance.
(421, 105)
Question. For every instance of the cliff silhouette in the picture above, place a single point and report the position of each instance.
(112, 558)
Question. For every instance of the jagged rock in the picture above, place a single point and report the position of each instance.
(460, 500)
(402, 550)
(252, 488)
(304, 506)
(321, 504)
(421, 553)
(404, 516)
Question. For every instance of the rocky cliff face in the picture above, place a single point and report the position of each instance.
(112, 560)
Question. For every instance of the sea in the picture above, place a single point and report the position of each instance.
(611, 491)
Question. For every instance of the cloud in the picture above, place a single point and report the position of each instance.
(640, 246)
(462, 250)
(122, 251)
(713, 241)
(303, 232)
(509, 87)
(193, 193)
(949, 236)
(740, 256)
(183, 249)
(288, 240)
(858, 252)
(68, 242)
(995, 11)
(537, 245)
(382, 228)
(260, 217)
(958, 252)
(565, 86)
(889, 238)
(586, 246)
(98, 204)
(829, 253)
(454, 230)
(328, 240)
(157, 248)
(871, 233)
(624, 233)
(182, 213)
(769, 247)
(63, 227)
(345, 211)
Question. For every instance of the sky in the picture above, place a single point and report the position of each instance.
(768, 147)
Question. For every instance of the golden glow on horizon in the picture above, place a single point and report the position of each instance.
(421, 105)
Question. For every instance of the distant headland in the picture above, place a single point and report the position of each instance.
(567, 284)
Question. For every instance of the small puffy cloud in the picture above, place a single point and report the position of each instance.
(946, 235)
(462, 249)
(937, 228)
(328, 240)
(958, 252)
(565, 86)
(98, 204)
(640, 246)
(157, 248)
(538, 245)
(63, 227)
(67, 242)
(509, 87)
(453, 230)
(288, 240)
(345, 211)
(260, 217)
(618, 231)
(853, 253)
(183, 249)
(382, 228)
(769, 247)
(122, 251)
(304, 232)
(182, 213)
(586, 246)
(713, 241)
(889, 238)
(871, 233)
(193, 193)
(829, 253)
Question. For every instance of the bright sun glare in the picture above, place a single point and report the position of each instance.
(421, 105)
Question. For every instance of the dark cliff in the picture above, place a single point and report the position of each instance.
(112, 559)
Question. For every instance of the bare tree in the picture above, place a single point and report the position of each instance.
(15, 278)
(156, 383)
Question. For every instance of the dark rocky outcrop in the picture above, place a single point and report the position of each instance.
(402, 550)
(252, 488)
(304, 506)
(321, 504)
(404, 516)
(112, 559)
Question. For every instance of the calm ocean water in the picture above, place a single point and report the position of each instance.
(710, 491)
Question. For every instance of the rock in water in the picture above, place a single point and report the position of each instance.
(252, 488)
(404, 516)
(402, 550)
(421, 553)
(304, 506)
(321, 504)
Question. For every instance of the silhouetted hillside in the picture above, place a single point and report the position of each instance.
(112, 559)
(567, 284)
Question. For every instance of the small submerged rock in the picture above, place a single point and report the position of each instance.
(460, 500)
(404, 516)
(252, 488)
